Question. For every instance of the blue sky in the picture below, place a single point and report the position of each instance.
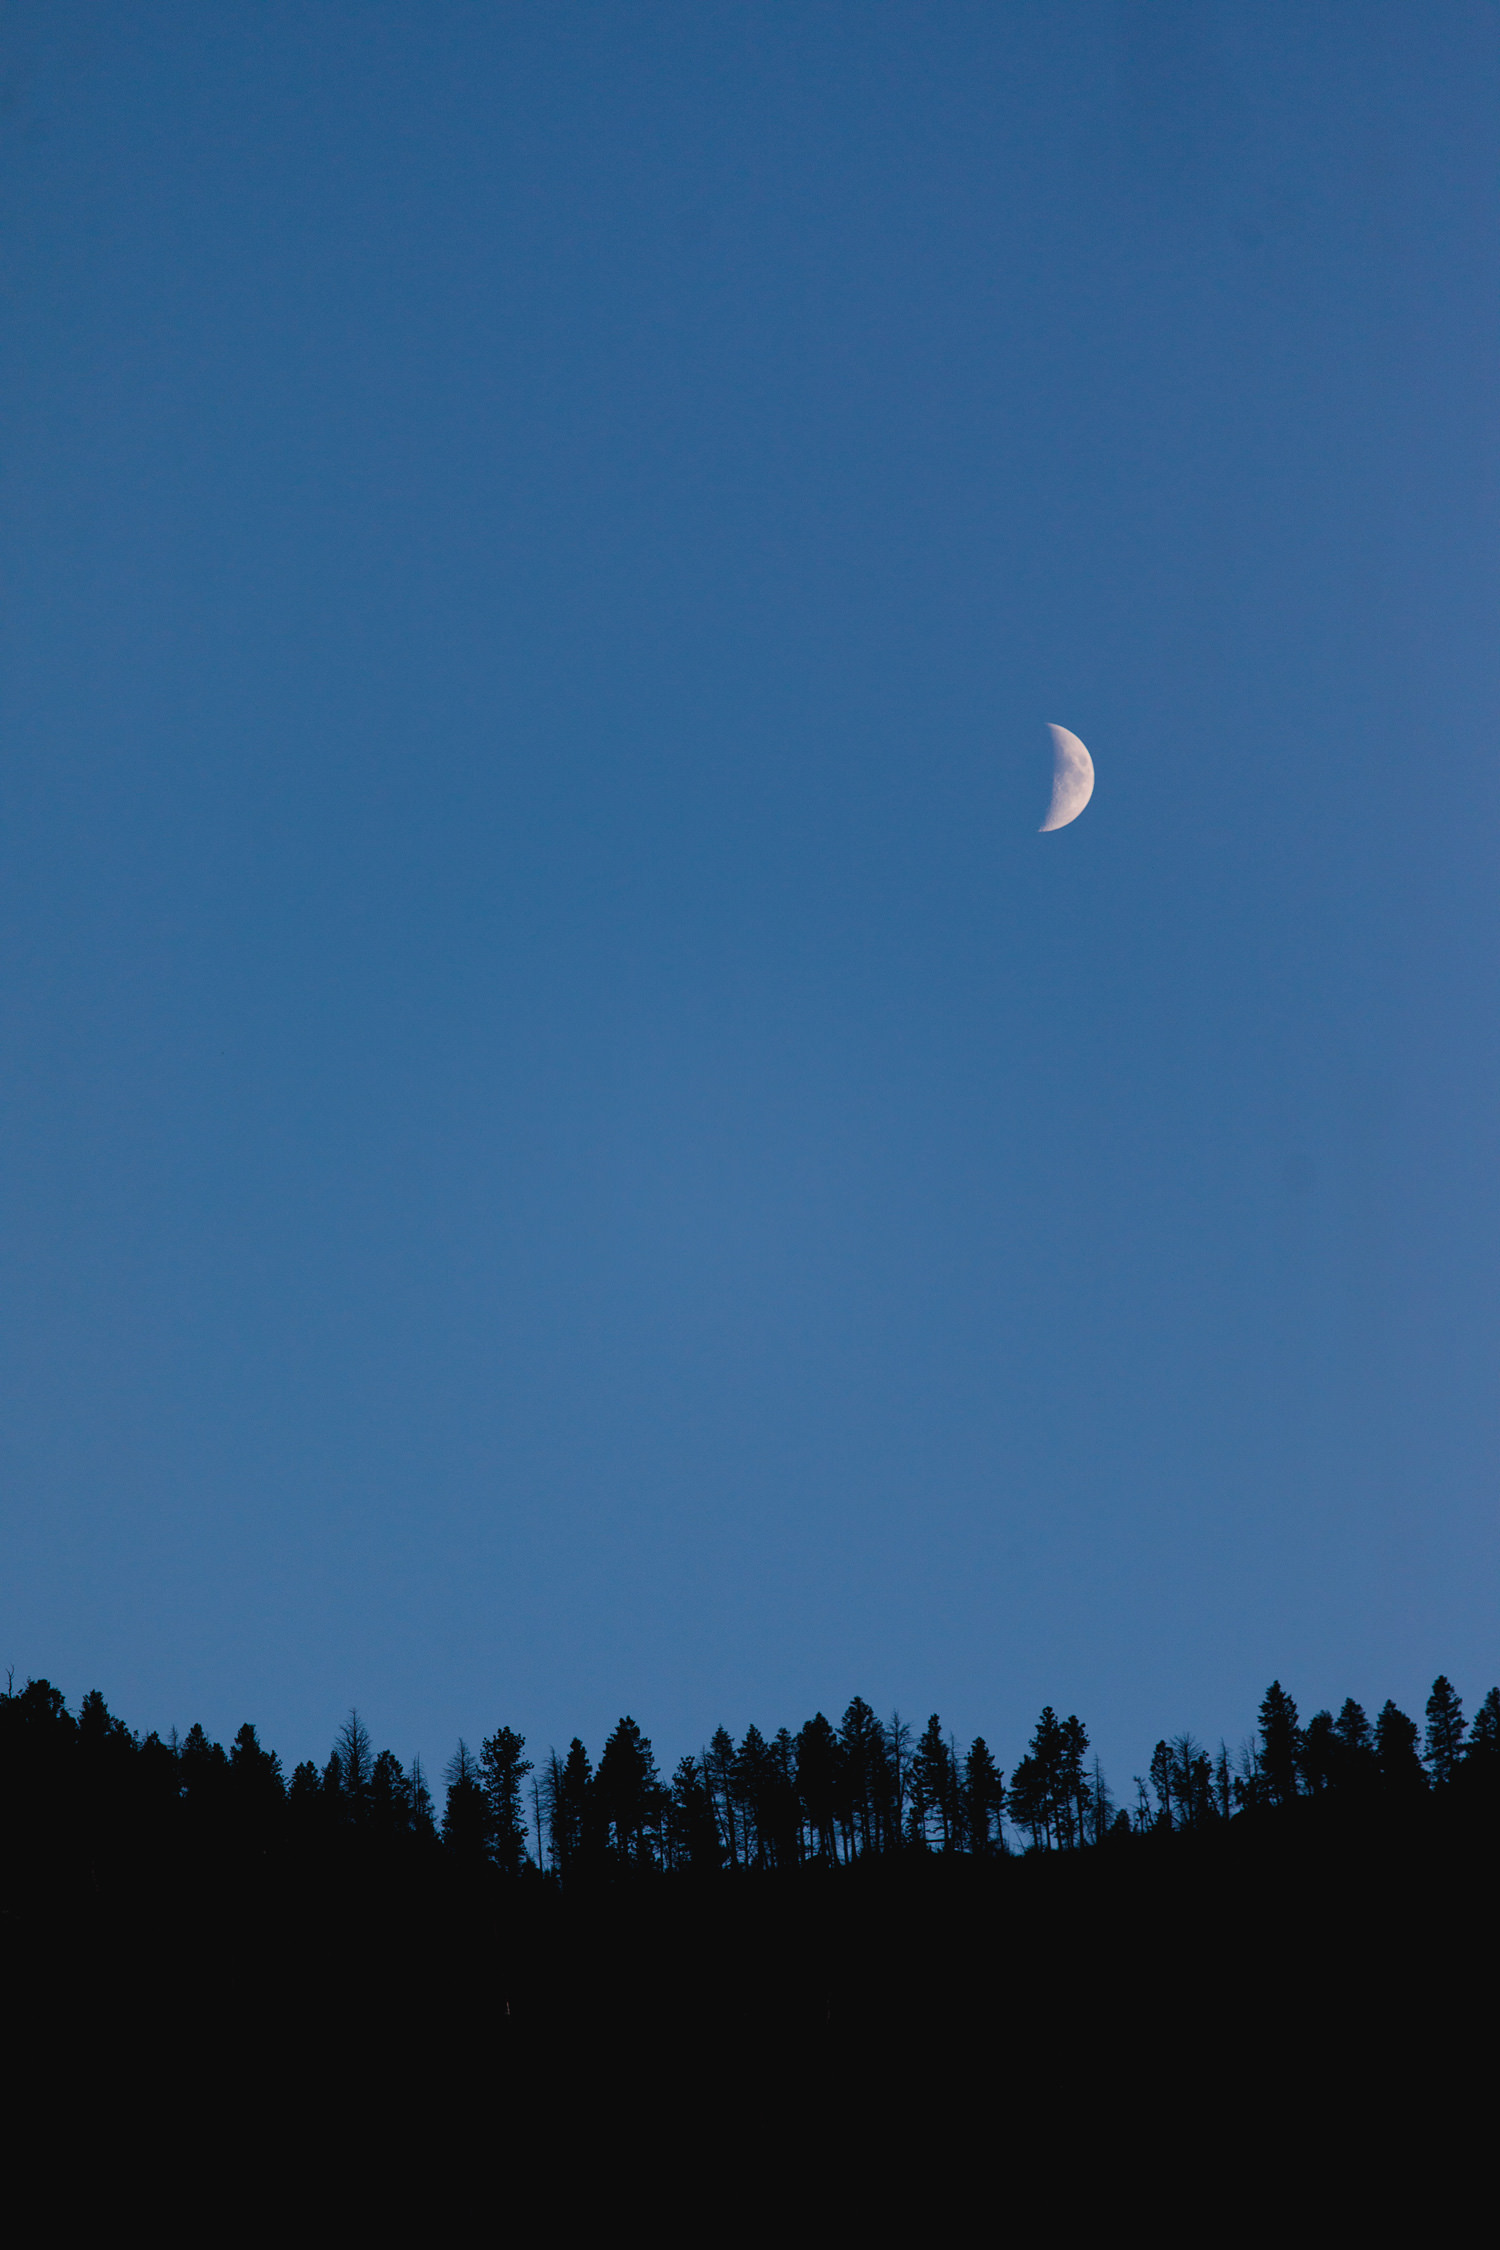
(565, 1145)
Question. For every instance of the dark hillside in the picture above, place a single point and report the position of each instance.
(1328, 1950)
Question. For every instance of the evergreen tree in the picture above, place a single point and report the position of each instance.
(862, 1762)
(1026, 1802)
(257, 1787)
(817, 1784)
(1073, 1783)
(159, 1782)
(102, 1739)
(693, 1838)
(765, 1795)
(936, 1809)
(1280, 1745)
(389, 1806)
(782, 1811)
(630, 1795)
(465, 1815)
(568, 1802)
(419, 1798)
(503, 1770)
(35, 1714)
(1320, 1753)
(1190, 1781)
(719, 1763)
(1041, 1783)
(1445, 1730)
(306, 1784)
(1400, 1769)
(750, 1784)
(204, 1769)
(984, 1800)
(1353, 1763)
(1041, 1787)
(1482, 1756)
(98, 1790)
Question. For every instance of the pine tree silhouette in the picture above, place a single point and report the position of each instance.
(465, 1814)
(1280, 1745)
(503, 1769)
(630, 1796)
(1400, 1769)
(1445, 1730)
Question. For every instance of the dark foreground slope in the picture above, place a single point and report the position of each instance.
(1299, 1961)
(1296, 2001)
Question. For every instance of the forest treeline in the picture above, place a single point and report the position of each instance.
(84, 1791)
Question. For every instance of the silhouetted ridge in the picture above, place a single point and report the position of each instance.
(89, 1801)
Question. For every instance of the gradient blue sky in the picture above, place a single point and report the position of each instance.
(565, 1145)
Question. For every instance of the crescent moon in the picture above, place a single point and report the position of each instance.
(1072, 779)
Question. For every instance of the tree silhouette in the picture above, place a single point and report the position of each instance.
(750, 1789)
(894, 1781)
(352, 1749)
(1445, 1730)
(1280, 1745)
(305, 1789)
(502, 1770)
(937, 1813)
(1400, 1769)
(568, 1803)
(256, 1786)
(862, 1774)
(984, 1800)
(388, 1803)
(465, 1814)
(1320, 1753)
(817, 1783)
(419, 1798)
(630, 1796)
(1354, 1764)
(693, 1838)
(1034, 1779)
(1188, 1774)
(203, 1768)
(1482, 1757)
(1073, 1783)
(719, 1763)
(1050, 1788)
(1223, 1783)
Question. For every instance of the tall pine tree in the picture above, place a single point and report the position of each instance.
(1280, 1745)
(503, 1769)
(1445, 1730)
